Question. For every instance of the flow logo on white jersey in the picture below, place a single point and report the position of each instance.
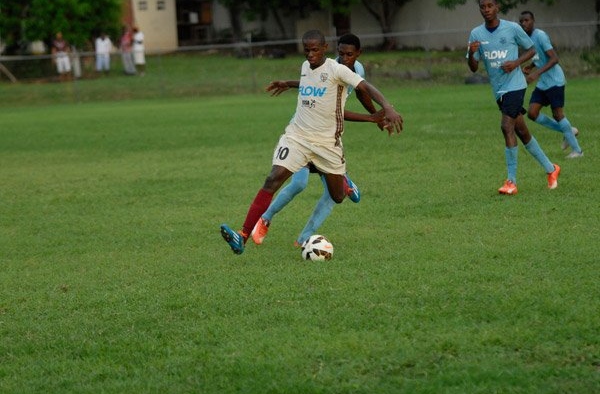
(312, 91)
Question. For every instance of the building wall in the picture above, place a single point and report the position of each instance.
(419, 24)
(221, 23)
(158, 25)
(316, 21)
(424, 24)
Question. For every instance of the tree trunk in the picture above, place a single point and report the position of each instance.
(341, 22)
(384, 14)
(279, 22)
(597, 35)
(235, 17)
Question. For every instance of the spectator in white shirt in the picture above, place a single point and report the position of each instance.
(139, 57)
(103, 49)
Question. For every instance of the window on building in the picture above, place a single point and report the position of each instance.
(160, 5)
(194, 21)
(142, 5)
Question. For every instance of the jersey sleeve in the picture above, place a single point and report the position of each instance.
(522, 38)
(359, 68)
(347, 76)
(545, 42)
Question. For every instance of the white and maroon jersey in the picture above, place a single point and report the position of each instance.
(319, 117)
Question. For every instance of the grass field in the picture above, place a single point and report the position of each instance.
(202, 74)
(115, 278)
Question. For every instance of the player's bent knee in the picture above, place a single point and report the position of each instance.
(276, 178)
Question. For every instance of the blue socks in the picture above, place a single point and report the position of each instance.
(511, 155)
(567, 131)
(297, 184)
(548, 123)
(564, 127)
(536, 151)
(321, 212)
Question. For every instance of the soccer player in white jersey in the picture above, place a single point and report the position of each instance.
(550, 87)
(315, 132)
(349, 49)
(496, 43)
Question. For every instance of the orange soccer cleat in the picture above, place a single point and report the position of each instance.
(508, 188)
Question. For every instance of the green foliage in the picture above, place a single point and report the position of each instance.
(592, 58)
(79, 20)
(505, 5)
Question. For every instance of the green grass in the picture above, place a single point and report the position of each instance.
(201, 74)
(115, 279)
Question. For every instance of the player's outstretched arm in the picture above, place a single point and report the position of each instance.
(377, 117)
(278, 87)
(366, 102)
(393, 118)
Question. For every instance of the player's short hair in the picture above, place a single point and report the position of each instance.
(314, 35)
(528, 13)
(350, 39)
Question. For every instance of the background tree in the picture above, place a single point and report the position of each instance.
(235, 9)
(505, 5)
(385, 11)
(597, 22)
(261, 9)
(23, 21)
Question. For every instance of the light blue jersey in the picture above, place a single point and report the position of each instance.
(360, 70)
(497, 47)
(555, 75)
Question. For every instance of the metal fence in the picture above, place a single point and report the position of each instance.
(169, 72)
(570, 36)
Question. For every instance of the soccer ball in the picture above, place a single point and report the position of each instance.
(317, 248)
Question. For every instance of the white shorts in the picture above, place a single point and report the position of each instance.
(139, 57)
(63, 63)
(294, 154)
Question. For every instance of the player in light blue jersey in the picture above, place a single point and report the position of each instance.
(349, 49)
(496, 43)
(550, 87)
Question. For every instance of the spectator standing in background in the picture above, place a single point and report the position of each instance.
(139, 56)
(103, 49)
(60, 56)
(126, 54)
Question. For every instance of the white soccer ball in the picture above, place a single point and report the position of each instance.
(317, 248)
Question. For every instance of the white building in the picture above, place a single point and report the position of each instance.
(171, 24)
